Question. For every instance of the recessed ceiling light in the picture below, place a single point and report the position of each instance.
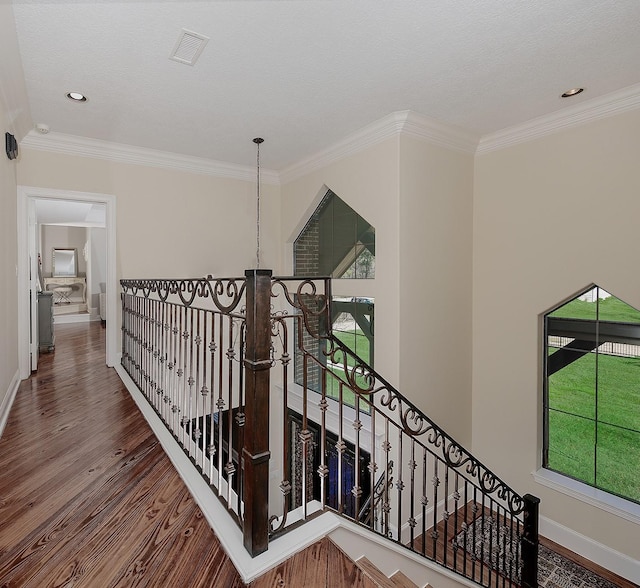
(571, 92)
(76, 97)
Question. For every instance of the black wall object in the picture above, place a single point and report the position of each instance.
(11, 146)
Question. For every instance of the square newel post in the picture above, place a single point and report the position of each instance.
(529, 542)
(255, 453)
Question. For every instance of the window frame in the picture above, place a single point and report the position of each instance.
(623, 506)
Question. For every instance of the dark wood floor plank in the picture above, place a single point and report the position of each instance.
(114, 509)
(87, 496)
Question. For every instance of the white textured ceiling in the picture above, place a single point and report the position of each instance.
(303, 74)
(70, 213)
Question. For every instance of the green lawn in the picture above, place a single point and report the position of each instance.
(356, 342)
(595, 437)
(609, 309)
(359, 344)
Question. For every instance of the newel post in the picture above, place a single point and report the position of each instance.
(529, 543)
(255, 453)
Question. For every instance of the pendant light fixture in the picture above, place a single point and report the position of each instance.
(257, 141)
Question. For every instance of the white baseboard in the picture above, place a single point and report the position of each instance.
(7, 401)
(604, 556)
(60, 319)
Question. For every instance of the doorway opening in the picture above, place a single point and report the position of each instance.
(80, 228)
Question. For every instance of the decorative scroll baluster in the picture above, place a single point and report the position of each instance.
(303, 438)
(435, 482)
(386, 506)
(241, 418)
(373, 467)
(197, 389)
(399, 487)
(412, 505)
(323, 470)
(445, 514)
(280, 330)
(211, 448)
(170, 352)
(357, 489)
(456, 521)
(221, 403)
(173, 367)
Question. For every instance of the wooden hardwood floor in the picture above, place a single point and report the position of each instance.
(87, 496)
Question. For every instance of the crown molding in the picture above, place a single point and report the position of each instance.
(588, 111)
(430, 130)
(106, 150)
(404, 122)
(401, 123)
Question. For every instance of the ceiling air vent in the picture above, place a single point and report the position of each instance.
(188, 47)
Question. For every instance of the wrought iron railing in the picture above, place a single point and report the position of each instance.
(183, 346)
(214, 359)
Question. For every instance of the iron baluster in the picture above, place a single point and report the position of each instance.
(412, 481)
(357, 489)
(435, 482)
(323, 469)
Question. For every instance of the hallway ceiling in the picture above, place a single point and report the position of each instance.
(304, 74)
(70, 213)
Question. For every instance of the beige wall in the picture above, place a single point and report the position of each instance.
(169, 223)
(436, 207)
(551, 216)
(419, 199)
(8, 263)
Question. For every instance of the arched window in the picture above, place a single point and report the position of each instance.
(338, 242)
(592, 392)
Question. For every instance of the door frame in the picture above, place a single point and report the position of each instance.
(26, 196)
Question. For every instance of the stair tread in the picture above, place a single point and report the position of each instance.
(398, 580)
(401, 581)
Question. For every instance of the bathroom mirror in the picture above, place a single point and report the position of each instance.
(65, 263)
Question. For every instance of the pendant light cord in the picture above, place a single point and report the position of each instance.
(257, 141)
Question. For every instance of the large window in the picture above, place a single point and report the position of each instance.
(592, 392)
(338, 242)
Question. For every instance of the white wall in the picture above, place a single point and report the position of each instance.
(551, 216)
(436, 207)
(15, 119)
(169, 223)
(8, 281)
